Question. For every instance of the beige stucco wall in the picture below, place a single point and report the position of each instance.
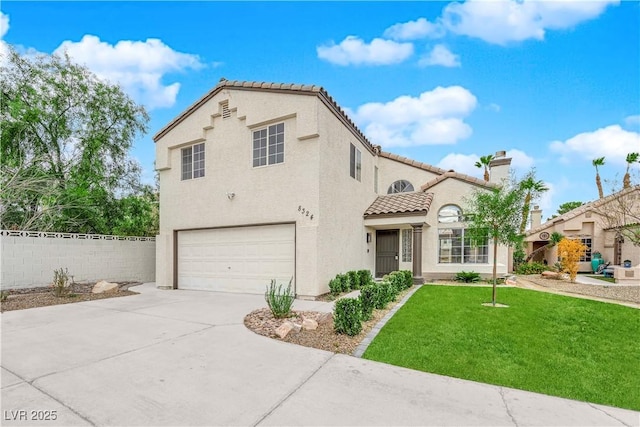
(453, 191)
(391, 171)
(268, 194)
(342, 244)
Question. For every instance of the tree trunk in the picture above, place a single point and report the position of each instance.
(526, 207)
(486, 174)
(599, 184)
(495, 271)
(626, 181)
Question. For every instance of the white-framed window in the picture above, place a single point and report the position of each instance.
(355, 163)
(268, 145)
(192, 161)
(407, 245)
(587, 254)
(400, 186)
(456, 248)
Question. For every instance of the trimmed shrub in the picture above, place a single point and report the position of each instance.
(368, 297)
(347, 316)
(278, 299)
(354, 280)
(335, 286)
(345, 282)
(531, 268)
(467, 277)
(365, 278)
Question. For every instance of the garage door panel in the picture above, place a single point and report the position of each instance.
(242, 259)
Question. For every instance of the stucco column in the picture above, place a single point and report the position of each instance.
(417, 254)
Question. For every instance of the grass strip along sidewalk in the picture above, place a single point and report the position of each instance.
(552, 344)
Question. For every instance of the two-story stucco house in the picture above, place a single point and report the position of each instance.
(263, 180)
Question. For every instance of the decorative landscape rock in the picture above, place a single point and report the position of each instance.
(325, 318)
(103, 286)
(550, 274)
(284, 329)
(309, 325)
(297, 327)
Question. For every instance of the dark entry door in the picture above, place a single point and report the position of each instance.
(386, 251)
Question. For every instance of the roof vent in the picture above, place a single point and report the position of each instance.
(226, 113)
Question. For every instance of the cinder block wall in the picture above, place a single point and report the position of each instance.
(29, 258)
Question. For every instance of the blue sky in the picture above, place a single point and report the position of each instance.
(554, 83)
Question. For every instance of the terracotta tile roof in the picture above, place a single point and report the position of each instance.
(411, 162)
(300, 89)
(460, 176)
(400, 203)
(582, 209)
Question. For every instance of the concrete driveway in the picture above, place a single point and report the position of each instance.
(185, 358)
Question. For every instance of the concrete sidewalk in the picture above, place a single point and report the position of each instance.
(185, 358)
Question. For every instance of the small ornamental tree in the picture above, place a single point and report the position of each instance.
(570, 251)
(494, 215)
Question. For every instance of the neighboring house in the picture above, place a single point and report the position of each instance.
(263, 180)
(599, 224)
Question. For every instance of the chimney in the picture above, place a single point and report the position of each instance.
(499, 167)
(536, 217)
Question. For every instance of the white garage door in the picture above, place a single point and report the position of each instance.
(242, 259)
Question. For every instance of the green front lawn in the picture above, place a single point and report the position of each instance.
(604, 279)
(556, 345)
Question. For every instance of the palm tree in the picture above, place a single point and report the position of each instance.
(484, 162)
(532, 189)
(598, 162)
(554, 239)
(631, 158)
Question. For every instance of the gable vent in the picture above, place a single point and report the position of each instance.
(226, 113)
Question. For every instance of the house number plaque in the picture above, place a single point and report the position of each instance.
(305, 212)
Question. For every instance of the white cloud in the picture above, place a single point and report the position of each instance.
(433, 117)
(414, 30)
(501, 22)
(440, 55)
(4, 24)
(632, 120)
(520, 161)
(494, 107)
(137, 66)
(354, 51)
(611, 142)
(465, 163)
(462, 163)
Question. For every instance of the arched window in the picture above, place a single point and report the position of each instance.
(400, 186)
(449, 214)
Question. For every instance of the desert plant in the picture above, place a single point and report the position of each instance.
(570, 251)
(467, 276)
(60, 282)
(347, 316)
(278, 299)
(531, 268)
(4, 295)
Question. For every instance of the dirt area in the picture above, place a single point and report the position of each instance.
(262, 321)
(20, 299)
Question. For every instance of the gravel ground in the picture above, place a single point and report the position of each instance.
(324, 338)
(618, 293)
(262, 321)
(20, 299)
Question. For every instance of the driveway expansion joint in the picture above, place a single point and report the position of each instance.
(298, 387)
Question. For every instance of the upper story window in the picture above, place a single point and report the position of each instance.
(400, 186)
(193, 161)
(268, 145)
(449, 214)
(355, 163)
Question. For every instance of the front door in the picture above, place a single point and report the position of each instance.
(386, 252)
